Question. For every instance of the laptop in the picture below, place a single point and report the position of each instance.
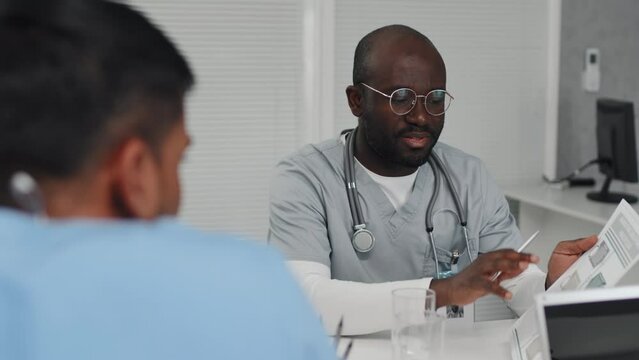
(589, 324)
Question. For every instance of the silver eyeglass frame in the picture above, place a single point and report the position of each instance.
(414, 101)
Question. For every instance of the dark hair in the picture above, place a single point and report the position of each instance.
(361, 62)
(77, 77)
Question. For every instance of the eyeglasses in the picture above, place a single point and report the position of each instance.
(403, 100)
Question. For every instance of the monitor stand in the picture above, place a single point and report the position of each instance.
(610, 197)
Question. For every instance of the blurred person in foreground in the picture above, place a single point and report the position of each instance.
(93, 264)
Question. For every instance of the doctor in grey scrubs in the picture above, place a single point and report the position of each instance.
(385, 206)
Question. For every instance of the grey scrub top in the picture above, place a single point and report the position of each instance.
(310, 218)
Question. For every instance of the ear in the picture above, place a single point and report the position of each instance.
(136, 180)
(355, 101)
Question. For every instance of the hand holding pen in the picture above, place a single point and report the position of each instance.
(482, 277)
(521, 248)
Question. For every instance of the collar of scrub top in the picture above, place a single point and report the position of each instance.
(363, 239)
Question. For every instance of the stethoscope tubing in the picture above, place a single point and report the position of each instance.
(435, 163)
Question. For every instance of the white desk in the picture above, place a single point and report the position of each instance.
(560, 214)
(488, 340)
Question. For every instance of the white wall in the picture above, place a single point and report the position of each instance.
(612, 26)
(272, 73)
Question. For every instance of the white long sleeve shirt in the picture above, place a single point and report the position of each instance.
(366, 308)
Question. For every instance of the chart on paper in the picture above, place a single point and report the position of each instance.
(616, 253)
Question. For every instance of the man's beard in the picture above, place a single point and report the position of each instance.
(389, 147)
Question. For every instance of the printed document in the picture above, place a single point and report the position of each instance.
(614, 259)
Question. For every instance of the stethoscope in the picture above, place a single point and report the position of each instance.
(26, 193)
(363, 239)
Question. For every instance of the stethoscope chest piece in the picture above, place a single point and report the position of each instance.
(363, 240)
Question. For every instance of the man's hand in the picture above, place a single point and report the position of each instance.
(475, 281)
(565, 254)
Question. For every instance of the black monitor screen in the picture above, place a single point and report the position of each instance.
(616, 139)
(616, 148)
(592, 331)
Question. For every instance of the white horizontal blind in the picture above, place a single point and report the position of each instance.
(244, 112)
(495, 55)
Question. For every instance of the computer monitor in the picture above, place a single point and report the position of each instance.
(595, 324)
(616, 147)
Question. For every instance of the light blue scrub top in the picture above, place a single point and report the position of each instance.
(155, 290)
(310, 218)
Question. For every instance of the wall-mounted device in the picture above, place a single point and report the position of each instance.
(591, 77)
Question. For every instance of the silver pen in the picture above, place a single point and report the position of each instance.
(521, 248)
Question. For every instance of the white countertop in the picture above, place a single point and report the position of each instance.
(568, 201)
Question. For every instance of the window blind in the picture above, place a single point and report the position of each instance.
(243, 114)
(247, 110)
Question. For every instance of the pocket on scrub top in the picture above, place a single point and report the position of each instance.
(445, 257)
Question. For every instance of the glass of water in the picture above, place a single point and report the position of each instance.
(418, 331)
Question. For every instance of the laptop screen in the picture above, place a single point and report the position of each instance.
(594, 330)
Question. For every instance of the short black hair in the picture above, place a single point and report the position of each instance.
(76, 78)
(361, 62)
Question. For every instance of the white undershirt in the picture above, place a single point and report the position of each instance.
(396, 188)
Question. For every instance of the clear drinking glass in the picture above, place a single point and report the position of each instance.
(418, 331)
